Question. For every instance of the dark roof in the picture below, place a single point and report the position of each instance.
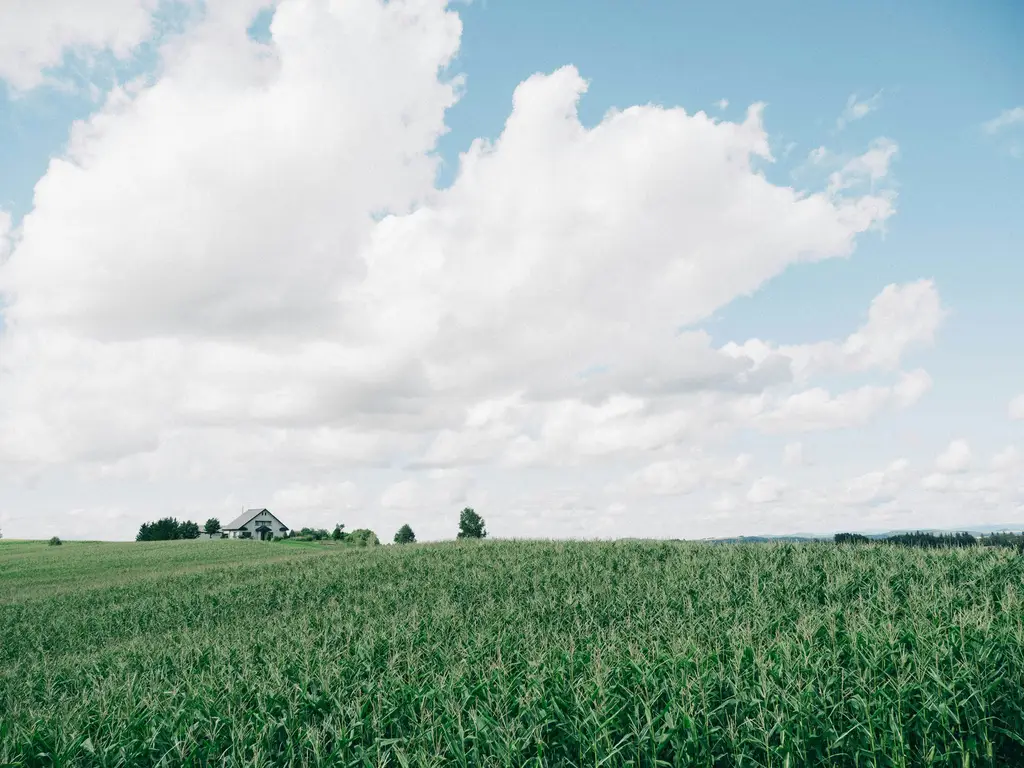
(242, 519)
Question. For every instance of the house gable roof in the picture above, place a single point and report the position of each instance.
(244, 518)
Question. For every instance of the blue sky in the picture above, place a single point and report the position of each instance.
(931, 76)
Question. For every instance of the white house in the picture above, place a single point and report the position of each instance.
(255, 524)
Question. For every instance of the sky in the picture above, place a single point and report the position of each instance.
(595, 269)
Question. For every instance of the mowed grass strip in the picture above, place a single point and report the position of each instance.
(517, 653)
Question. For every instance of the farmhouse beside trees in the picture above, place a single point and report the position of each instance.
(263, 525)
(251, 524)
(259, 524)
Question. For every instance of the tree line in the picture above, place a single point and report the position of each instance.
(471, 526)
(167, 529)
(928, 540)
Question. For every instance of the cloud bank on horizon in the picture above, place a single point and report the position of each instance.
(240, 277)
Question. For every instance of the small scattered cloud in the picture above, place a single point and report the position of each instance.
(1008, 118)
(765, 490)
(937, 481)
(876, 487)
(1016, 408)
(685, 475)
(793, 455)
(901, 318)
(819, 155)
(817, 409)
(437, 488)
(857, 109)
(955, 459)
(1006, 458)
(1008, 126)
(722, 103)
(870, 168)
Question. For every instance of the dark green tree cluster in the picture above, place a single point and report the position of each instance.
(923, 539)
(167, 529)
(851, 538)
(1004, 539)
(932, 540)
(55, 541)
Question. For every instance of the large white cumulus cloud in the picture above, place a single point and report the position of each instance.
(246, 260)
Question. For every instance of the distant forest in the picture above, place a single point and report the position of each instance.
(929, 540)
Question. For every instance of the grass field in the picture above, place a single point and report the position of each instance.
(510, 654)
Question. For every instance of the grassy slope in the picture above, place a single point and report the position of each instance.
(240, 653)
(33, 569)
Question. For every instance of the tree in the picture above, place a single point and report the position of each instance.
(471, 525)
(338, 534)
(404, 535)
(212, 526)
(55, 541)
(189, 530)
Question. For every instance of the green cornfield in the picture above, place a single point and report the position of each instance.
(510, 653)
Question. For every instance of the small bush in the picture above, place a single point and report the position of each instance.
(313, 534)
(362, 537)
(55, 541)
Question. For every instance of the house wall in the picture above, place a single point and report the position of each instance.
(267, 518)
